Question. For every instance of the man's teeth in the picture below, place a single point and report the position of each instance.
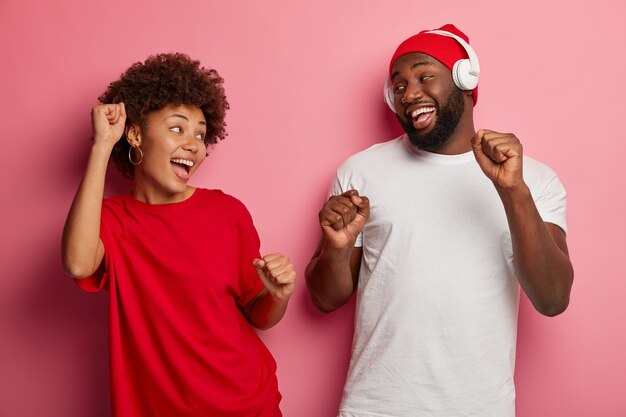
(419, 111)
(183, 162)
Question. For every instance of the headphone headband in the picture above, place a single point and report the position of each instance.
(471, 54)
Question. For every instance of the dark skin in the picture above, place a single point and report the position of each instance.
(540, 253)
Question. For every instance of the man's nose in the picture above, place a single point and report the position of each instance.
(413, 91)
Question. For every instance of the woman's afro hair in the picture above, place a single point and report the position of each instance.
(162, 80)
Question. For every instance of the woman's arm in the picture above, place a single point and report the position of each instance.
(279, 278)
(81, 249)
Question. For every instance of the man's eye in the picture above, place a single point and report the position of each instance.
(176, 129)
(425, 78)
(399, 89)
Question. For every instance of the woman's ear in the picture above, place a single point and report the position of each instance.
(133, 135)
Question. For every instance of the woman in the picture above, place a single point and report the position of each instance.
(181, 264)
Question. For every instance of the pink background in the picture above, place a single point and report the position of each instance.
(304, 79)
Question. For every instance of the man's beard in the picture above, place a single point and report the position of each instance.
(448, 117)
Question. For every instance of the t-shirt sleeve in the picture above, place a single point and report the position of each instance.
(250, 284)
(551, 202)
(96, 282)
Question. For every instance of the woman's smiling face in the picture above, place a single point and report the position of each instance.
(173, 147)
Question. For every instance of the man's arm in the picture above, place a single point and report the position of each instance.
(332, 273)
(332, 276)
(540, 253)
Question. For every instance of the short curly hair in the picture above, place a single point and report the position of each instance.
(162, 80)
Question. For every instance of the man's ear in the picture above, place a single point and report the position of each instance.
(133, 135)
(469, 97)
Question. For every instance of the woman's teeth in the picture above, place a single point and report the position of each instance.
(183, 162)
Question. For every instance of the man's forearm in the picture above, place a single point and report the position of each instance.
(540, 253)
(330, 278)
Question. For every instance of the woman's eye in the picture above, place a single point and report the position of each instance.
(176, 129)
(200, 136)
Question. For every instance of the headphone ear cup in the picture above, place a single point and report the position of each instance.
(462, 76)
(388, 95)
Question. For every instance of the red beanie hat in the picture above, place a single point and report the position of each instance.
(443, 48)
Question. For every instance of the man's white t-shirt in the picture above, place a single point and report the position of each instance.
(437, 300)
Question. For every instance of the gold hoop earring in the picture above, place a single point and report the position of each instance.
(130, 155)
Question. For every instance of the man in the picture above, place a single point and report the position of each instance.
(454, 228)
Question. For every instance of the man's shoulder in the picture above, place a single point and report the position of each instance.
(374, 154)
(534, 169)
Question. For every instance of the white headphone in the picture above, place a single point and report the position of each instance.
(464, 72)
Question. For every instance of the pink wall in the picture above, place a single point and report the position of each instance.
(304, 79)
